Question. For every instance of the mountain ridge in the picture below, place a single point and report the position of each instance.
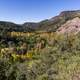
(51, 24)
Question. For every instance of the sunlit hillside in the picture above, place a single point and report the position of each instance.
(28, 53)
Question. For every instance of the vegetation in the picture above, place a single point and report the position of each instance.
(46, 56)
(29, 54)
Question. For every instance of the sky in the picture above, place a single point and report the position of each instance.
(20, 11)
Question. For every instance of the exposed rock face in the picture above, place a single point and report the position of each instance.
(71, 26)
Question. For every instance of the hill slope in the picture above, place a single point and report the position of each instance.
(71, 26)
(46, 25)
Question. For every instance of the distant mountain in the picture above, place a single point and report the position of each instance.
(9, 26)
(46, 25)
(30, 26)
(54, 23)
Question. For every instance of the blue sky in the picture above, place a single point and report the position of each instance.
(20, 11)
